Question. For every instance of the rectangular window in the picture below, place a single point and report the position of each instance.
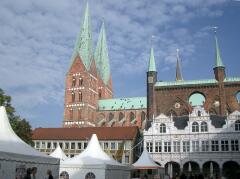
(43, 145)
(66, 145)
(126, 159)
(205, 146)
(54, 145)
(158, 146)
(60, 144)
(215, 146)
(85, 145)
(234, 145)
(186, 146)
(113, 145)
(120, 145)
(105, 145)
(224, 145)
(37, 145)
(149, 146)
(49, 145)
(195, 146)
(72, 145)
(79, 145)
(167, 146)
(176, 146)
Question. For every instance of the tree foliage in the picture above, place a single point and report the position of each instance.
(21, 126)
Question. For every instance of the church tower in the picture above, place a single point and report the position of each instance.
(151, 80)
(81, 80)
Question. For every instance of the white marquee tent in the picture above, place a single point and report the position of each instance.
(58, 153)
(16, 155)
(93, 161)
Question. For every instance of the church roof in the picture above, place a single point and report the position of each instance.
(194, 82)
(101, 56)
(122, 103)
(83, 46)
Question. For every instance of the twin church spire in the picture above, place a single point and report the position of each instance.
(84, 48)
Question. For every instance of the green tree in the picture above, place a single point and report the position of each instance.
(21, 126)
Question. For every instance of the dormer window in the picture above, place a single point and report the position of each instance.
(237, 125)
(162, 128)
(204, 127)
(195, 127)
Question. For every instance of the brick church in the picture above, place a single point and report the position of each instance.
(89, 94)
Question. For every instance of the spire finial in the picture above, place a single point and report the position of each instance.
(178, 68)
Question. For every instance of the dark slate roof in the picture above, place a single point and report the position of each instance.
(181, 122)
(218, 121)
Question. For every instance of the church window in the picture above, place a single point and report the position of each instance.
(186, 146)
(167, 146)
(121, 116)
(238, 97)
(196, 99)
(215, 146)
(73, 81)
(158, 146)
(111, 116)
(71, 113)
(195, 127)
(132, 116)
(80, 81)
(205, 146)
(237, 125)
(79, 114)
(80, 96)
(176, 146)
(204, 127)
(73, 96)
(224, 145)
(234, 145)
(162, 128)
(90, 175)
(195, 146)
(149, 146)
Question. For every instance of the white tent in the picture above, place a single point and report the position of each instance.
(16, 155)
(94, 161)
(58, 153)
(145, 163)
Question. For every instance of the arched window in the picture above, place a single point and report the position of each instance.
(100, 94)
(79, 113)
(195, 127)
(71, 113)
(64, 175)
(90, 175)
(132, 116)
(73, 81)
(204, 127)
(238, 97)
(162, 128)
(80, 81)
(121, 116)
(73, 96)
(237, 125)
(196, 99)
(80, 96)
(143, 116)
(111, 116)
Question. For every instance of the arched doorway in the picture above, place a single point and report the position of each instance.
(191, 168)
(211, 165)
(230, 169)
(175, 169)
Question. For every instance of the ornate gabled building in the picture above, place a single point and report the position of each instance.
(89, 94)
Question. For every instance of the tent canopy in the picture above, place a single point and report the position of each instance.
(145, 162)
(58, 153)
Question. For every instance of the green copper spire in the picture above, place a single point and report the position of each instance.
(218, 62)
(178, 68)
(83, 46)
(151, 65)
(101, 56)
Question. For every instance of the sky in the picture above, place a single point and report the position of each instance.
(37, 40)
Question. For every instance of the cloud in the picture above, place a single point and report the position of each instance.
(37, 39)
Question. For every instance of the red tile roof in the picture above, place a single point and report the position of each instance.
(103, 133)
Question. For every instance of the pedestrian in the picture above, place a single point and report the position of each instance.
(49, 173)
(28, 174)
(34, 172)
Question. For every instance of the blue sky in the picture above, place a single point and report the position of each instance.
(37, 40)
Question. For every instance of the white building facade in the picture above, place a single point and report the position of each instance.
(196, 143)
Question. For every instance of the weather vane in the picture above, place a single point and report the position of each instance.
(151, 40)
(215, 29)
